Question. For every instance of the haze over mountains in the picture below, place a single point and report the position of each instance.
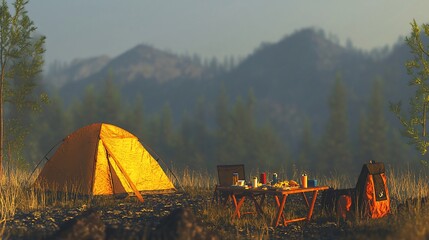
(291, 79)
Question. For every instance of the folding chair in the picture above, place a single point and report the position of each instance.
(224, 173)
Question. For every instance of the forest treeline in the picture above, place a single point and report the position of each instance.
(279, 108)
(227, 131)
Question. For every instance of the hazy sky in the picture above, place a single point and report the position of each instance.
(88, 28)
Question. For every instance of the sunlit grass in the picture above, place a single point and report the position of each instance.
(193, 182)
(18, 194)
(403, 185)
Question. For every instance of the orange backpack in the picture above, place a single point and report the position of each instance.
(369, 199)
(372, 192)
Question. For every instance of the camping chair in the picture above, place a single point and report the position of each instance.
(224, 173)
(369, 199)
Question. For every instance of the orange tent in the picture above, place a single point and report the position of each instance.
(102, 159)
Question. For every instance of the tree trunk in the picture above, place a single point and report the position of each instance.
(3, 70)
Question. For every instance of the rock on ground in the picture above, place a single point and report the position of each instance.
(86, 226)
(181, 224)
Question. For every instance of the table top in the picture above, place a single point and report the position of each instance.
(292, 190)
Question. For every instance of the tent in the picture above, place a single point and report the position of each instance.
(102, 159)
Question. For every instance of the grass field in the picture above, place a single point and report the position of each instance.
(408, 219)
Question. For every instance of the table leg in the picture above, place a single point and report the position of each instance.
(237, 205)
(313, 202)
(226, 200)
(281, 207)
(258, 205)
(278, 205)
(262, 199)
(305, 199)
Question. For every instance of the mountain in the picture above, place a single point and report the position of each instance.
(61, 74)
(145, 62)
(291, 79)
(142, 67)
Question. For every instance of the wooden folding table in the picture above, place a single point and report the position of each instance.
(281, 195)
(239, 194)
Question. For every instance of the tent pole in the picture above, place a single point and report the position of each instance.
(45, 157)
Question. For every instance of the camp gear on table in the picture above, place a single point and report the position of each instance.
(304, 180)
(239, 195)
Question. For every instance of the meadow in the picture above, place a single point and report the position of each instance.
(407, 220)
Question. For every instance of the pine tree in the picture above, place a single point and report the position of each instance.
(109, 103)
(364, 141)
(335, 150)
(243, 132)
(415, 124)
(161, 133)
(136, 118)
(223, 128)
(201, 133)
(193, 146)
(306, 149)
(399, 151)
(21, 61)
(53, 124)
(86, 111)
(266, 149)
(377, 125)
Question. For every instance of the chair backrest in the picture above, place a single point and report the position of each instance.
(225, 172)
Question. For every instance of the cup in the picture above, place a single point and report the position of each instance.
(234, 178)
(275, 178)
(241, 183)
(255, 182)
(304, 180)
(263, 178)
(312, 183)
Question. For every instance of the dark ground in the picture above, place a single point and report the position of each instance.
(129, 219)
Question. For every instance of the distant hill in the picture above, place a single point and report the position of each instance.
(61, 74)
(291, 79)
(142, 67)
(144, 62)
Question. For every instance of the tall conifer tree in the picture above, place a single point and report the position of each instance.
(306, 149)
(415, 124)
(377, 124)
(21, 61)
(335, 150)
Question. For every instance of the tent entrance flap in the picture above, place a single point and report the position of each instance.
(116, 183)
(130, 182)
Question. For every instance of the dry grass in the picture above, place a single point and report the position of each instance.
(193, 179)
(17, 193)
(409, 223)
(406, 184)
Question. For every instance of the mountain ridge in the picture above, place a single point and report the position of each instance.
(291, 79)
